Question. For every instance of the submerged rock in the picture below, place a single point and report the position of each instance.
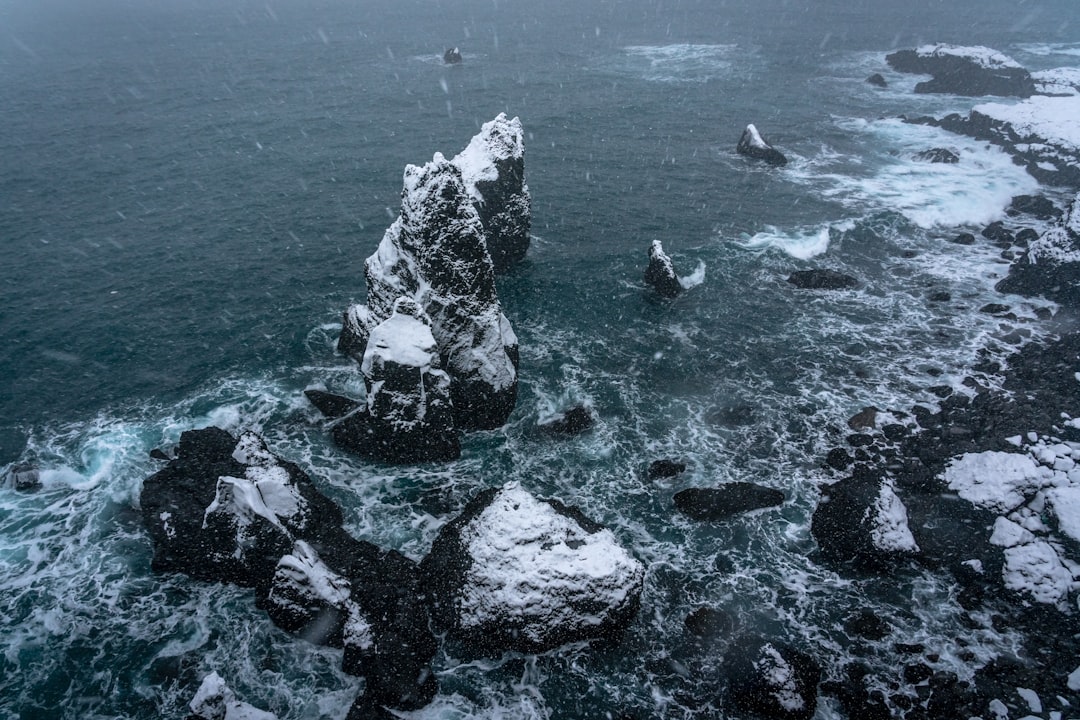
(435, 253)
(574, 421)
(822, 279)
(23, 477)
(771, 680)
(753, 145)
(1035, 205)
(517, 573)
(452, 56)
(409, 416)
(877, 80)
(961, 70)
(938, 155)
(666, 468)
(721, 503)
(493, 170)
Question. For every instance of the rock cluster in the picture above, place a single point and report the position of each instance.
(960, 70)
(1051, 265)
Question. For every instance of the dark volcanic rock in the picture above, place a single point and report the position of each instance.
(409, 416)
(964, 238)
(721, 503)
(493, 170)
(838, 459)
(574, 421)
(23, 477)
(864, 419)
(436, 253)
(709, 623)
(861, 520)
(752, 145)
(938, 155)
(666, 468)
(1034, 205)
(867, 624)
(660, 274)
(771, 680)
(877, 80)
(997, 232)
(1051, 265)
(822, 279)
(452, 56)
(329, 404)
(964, 71)
(513, 572)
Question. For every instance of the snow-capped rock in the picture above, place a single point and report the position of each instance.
(964, 70)
(1051, 265)
(227, 509)
(513, 572)
(771, 680)
(409, 416)
(493, 169)
(1057, 81)
(214, 700)
(660, 274)
(998, 481)
(435, 253)
(753, 145)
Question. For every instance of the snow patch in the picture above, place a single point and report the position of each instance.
(992, 479)
(982, 56)
(891, 532)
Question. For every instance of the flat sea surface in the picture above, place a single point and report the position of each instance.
(188, 190)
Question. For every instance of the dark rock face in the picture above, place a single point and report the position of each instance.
(1035, 205)
(861, 520)
(877, 80)
(964, 238)
(409, 416)
(1051, 265)
(938, 155)
(721, 503)
(493, 170)
(666, 468)
(513, 572)
(997, 232)
(436, 254)
(331, 405)
(867, 625)
(771, 680)
(452, 56)
(660, 274)
(964, 71)
(574, 421)
(822, 279)
(228, 510)
(753, 145)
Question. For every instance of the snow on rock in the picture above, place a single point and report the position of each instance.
(514, 572)
(890, 532)
(227, 508)
(995, 480)
(660, 274)
(1065, 505)
(1051, 266)
(771, 680)
(493, 169)
(964, 70)
(1058, 81)
(409, 416)
(214, 700)
(436, 254)
(753, 145)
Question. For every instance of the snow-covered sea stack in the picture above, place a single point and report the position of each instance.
(513, 572)
(436, 254)
(771, 680)
(1051, 265)
(660, 274)
(409, 415)
(493, 169)
(961, 70)
(753, 145)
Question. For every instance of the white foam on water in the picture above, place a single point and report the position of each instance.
(695, 278)
(973, 192)
(1047, 49)
(801, 243)
(681, 62)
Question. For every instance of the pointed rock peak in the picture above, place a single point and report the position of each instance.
(499, 139)
(753, 138)
(409, 307)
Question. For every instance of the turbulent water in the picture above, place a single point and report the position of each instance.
(188, 190)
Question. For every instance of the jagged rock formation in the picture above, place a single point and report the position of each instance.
(228, 510)
(435, 253)
(963, 70)
(516, 573)
(753, 145)
(409, 416)
(493, 168)
(660, 274)
(1051, 265)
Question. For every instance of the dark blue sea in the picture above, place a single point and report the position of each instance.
(189, 188)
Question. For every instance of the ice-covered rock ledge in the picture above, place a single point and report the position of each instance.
(964, 70)
(1051, 265)
(514, 572)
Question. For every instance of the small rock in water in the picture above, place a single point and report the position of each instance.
(666, 468)
(877, 80)
(24, 477)
(753, 145)
(452, 56)
(729, 499)
(865, 418)
(997, 232)
(574, 421)
(964, 238)
(660, 274)
(938, 155)
(867, 624)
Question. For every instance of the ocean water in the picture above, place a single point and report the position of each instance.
(188, 190)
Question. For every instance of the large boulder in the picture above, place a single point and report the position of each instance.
(770, 680)
(409, 416)
(227, 509)
(514, 572)
(753, 145)
(660, 274)
(493, 168)
(961, 70)
(436, 254)
(1051, 265)
(725, 501)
